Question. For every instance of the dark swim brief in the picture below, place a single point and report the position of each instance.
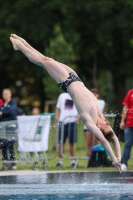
(72, 78)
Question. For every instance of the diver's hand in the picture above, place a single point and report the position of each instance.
(117, 165)
(119, 159)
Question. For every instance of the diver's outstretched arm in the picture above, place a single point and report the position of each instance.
(96, 131)
(116, 145)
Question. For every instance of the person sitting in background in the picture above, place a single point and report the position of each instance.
(8, 112)
(90, 139)
(66, 115)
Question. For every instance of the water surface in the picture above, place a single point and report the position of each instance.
(65, 186)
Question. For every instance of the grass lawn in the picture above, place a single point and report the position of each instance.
(66, 163)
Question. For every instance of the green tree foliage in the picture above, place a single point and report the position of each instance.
(100, 34)
(62, 52)
(102, 38)
(35, 21)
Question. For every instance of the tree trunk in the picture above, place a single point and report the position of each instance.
(119, 84)
(4, 81)
(94, 69)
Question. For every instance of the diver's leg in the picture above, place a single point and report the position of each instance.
(56, 71)
(68, 69)
(88, 139)
(25, 43)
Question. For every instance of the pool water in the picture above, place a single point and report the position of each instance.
(68, 186)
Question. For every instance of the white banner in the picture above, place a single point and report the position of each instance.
(33, 133)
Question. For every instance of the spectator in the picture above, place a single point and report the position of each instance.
(127, 125)
(66, 113)
(35, 111)
(90, 139)
(8, 113)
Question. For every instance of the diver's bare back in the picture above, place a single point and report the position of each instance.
(83, 99)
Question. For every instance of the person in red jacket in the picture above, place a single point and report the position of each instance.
(127, 125)
(1, 102)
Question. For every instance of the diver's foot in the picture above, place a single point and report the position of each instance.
(16, 43)
(19, 38)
